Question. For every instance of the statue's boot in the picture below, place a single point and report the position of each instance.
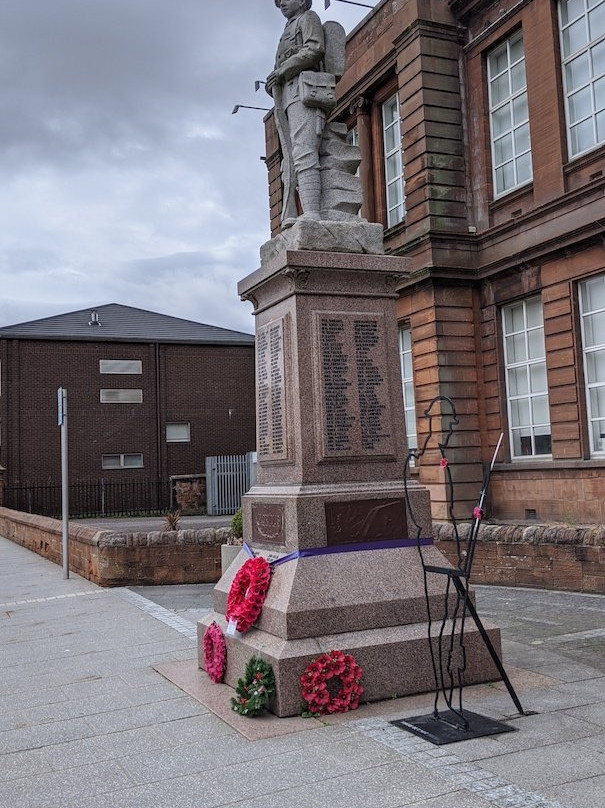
(309, 191)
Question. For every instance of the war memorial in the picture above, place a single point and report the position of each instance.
(347, 539)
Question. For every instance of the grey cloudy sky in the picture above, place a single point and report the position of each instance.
(124, 177)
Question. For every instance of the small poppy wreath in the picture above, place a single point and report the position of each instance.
(318, 673)
(248, 592)
(215, 652)
(255, 689)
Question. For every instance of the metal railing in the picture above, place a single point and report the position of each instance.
(228, 477)
(92, 499)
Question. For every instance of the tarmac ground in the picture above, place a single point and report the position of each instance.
(85, 719)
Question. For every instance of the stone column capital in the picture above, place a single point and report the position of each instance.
(360, 105)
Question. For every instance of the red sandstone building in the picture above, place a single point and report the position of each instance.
(482, 130)
(149, 396)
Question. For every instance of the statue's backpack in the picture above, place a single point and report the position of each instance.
(335, 44)
(318, 89)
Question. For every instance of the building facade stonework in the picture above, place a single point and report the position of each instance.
(482, 131)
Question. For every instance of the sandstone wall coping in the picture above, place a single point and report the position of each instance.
(162, 538)
(108, 538)
(552, 533)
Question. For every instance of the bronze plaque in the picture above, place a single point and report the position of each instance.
(365, 520)
(268, 524)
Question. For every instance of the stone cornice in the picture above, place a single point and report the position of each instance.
(462, 9)
(593, 233)
(379, 74)
(435, 30)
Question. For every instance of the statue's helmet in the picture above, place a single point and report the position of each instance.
(307, 4)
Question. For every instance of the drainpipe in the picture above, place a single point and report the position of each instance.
(158, 414)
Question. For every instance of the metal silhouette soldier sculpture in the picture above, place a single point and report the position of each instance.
(448, 655)
(309, 61)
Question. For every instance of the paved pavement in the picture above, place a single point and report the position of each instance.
(86, 721)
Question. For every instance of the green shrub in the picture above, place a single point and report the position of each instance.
(237, 524)
(171, 520)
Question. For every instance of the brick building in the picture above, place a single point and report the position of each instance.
(149, 396)
(482, 130)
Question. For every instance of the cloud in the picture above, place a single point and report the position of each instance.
(124, 177)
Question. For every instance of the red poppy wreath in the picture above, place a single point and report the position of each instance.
(248, 592)
(317, 675)
(215, 652)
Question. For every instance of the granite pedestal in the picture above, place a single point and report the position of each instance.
(331, 450)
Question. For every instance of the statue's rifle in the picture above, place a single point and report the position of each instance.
(462, 589)
(478, 511)
(463, 604)
(287, 167)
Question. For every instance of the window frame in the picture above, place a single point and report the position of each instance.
(409, 407)
(594, 451)
(122, 465)
(138, 372)
(508, 101)
(137, 400)
(178, 440)
(527, 363)
(573, 56)
(396, 151)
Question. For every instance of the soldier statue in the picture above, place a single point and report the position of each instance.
(309, 60)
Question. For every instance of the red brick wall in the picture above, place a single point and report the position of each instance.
(429, 93)
(471, 254)
(568, 487)
(212, 387)
(442, 324)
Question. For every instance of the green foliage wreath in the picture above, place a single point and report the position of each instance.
(255, 689)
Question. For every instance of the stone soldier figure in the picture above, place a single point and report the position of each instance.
(303, 93)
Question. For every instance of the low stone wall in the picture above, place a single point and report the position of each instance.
(544, 556)
(548, 556)
(115, 559)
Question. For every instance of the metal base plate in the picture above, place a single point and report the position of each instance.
(447, 729)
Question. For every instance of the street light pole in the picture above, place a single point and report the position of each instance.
(348, 2)
(62, 420)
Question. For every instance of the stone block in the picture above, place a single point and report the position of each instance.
(352, 591)
(331, 236)
(395, 660)
(331, 451)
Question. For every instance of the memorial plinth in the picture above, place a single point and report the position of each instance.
(331, 450)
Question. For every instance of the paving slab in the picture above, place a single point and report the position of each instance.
(73, 786)
(593, 714)
(545, 766)
(85, 719)
(586, 793)
(217, 698)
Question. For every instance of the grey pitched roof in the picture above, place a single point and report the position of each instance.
(117, 323)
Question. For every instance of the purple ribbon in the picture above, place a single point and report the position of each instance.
(383, 544)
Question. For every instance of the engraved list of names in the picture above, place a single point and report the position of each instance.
(271, 392)
(351, 372)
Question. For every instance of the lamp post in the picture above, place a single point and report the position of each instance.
(348, 2)
(237, 107)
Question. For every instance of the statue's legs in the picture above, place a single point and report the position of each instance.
(306, 130)
(309, 191)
